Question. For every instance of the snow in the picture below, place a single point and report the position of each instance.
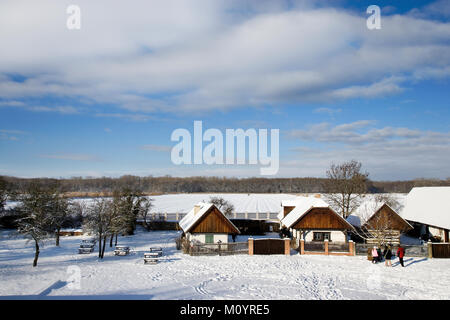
(302, 206)
(180, 276)
(428, 205)
(366, 210)
(193, 217)
(242, 202)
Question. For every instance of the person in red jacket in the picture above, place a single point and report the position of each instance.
(401, 254)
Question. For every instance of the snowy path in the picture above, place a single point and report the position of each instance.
(180, 276)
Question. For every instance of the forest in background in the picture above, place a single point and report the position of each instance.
(88, 186)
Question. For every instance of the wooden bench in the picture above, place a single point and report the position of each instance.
(157, 250)
(121, 251)
(151, 257)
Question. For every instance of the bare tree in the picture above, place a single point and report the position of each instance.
(99, 220)
(345, 185)
(34, 222)
(377, 228)
(59, 211)
(146, 205)
(3, 194)
(223, 205)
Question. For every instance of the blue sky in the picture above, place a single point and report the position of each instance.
(104, 100)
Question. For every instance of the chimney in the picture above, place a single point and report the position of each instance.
(196, 209)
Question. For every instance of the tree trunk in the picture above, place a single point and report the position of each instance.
(36, 253)
(57, 236)
(111, 241)
(104, 245)
(116, 240)
(100, 246)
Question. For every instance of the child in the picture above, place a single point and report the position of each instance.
(374, 255)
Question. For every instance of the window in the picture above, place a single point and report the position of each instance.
(321, 236)
(209, 238)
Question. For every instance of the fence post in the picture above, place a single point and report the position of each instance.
(326, 246)
(351, 246)
(287, 246)
(302, 246)
(430, 249)
(250, 246)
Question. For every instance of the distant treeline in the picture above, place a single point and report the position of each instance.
(78, 186)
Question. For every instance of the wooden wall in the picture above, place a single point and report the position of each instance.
(321, 219)
(387, 217)
(286, 210)
(213, 222)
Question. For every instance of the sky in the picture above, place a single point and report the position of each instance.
(104, 100)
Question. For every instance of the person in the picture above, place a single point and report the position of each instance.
(233, 236)
(387, 255)
(374, 255)
(380, 255)
(400, 255)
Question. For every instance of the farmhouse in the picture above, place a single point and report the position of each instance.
(377, 223)
(311, 219)
(205, 223)
(427, 209)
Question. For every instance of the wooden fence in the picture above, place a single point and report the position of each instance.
(327, 248)
(214, 249)
(441, 250)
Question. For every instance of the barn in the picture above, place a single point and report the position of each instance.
(311, 219)
(378, 224)
(427, 209)
(205, 223)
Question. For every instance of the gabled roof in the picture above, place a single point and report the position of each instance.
(428, 205)
(300, 201)
(367, 210)
(192, 218)
(302, 206)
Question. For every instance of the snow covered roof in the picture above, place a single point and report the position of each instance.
(242, 202)
(196, 214)
(364, 212)
(428, 205)
(302, 206)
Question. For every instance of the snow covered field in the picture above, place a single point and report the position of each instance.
(180, 276)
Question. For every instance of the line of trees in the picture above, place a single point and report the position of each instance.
(78, 186)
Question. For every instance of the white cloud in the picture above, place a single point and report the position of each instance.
(205, 55)
(387, 153)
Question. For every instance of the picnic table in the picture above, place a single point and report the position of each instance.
(157, 250)
(83, 250)
(122, 251)
(86, 246)
(151, 257)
